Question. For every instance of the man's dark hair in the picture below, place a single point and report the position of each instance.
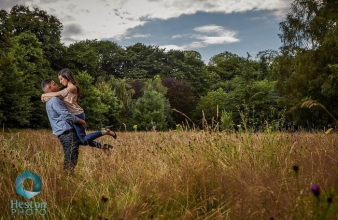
(45, 82)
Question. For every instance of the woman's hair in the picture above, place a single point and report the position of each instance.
(67, 74)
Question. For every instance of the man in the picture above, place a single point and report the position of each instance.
(61, 122)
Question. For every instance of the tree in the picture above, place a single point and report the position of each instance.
(226, 65)
(6, 28)
(98, 58)
(5, 61)
(138, 87)
(180, 97)
(82, 57)
(195, 72)
(15, 106)
(243, 84)
(304, 68)
(212, 105)
(266, 59)
(109, 98)
(29, 60)
(46, 28)
(188, 65)
(110, 56)
(23, 67)
(159, 87)
(91, 101)
(173, 63)
(121, 101)
(149, 111)
(143, 61)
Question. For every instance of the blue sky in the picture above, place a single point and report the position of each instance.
(207, 26)
(253, 32)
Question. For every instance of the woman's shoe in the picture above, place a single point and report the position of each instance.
(109, 129)
(106, 149)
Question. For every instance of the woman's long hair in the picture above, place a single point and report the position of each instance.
(67, 74)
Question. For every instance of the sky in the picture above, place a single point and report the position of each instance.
(207, 26)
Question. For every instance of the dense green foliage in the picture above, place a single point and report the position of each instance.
(306, 66)
(150, 87)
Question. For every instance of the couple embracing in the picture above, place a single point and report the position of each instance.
(67, 118)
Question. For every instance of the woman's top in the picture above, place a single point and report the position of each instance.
(70, 101)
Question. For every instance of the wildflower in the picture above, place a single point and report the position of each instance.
(295, 168)
(315, 190)
(329, 200)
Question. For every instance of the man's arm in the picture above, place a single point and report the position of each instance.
(61, 109)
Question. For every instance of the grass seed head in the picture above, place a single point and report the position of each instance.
(104, 198)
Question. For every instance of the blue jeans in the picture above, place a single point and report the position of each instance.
(70, 150)
(87, 139)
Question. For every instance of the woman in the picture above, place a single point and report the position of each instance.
(69, 96)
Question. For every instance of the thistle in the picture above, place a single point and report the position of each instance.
(315, 190)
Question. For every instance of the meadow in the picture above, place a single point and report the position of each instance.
(178, 175)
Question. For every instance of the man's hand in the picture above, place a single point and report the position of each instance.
(81, 122)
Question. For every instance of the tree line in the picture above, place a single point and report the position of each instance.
(150, 87)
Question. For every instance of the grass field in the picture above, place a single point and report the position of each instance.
(177, 175)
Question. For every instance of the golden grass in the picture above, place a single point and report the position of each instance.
(176, 175)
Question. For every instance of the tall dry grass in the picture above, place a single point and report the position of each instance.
(177, 175)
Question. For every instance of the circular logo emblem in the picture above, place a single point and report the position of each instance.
(36, 188)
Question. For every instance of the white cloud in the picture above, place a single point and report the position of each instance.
(125, 36)
(208, 35)
(140, 35)
(172, 47)
(219, 40)
(113, 18)
(210, 28)
(194, 44)
(216, 35)
(259, 18)
(8, 4)
(177, 36)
